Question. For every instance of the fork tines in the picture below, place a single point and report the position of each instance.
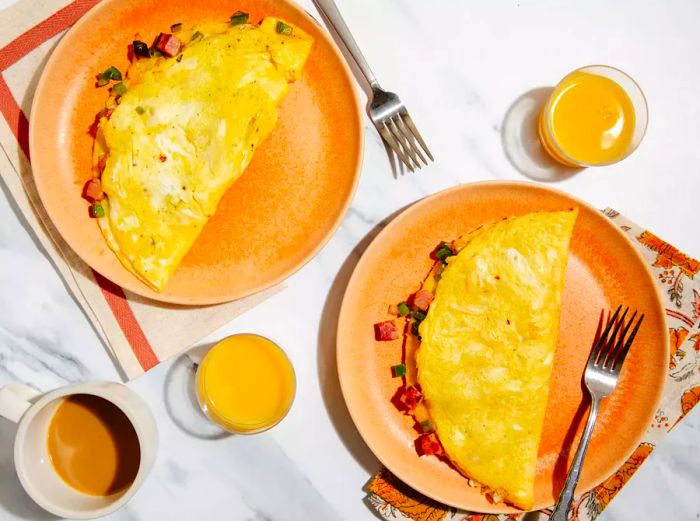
(401, 134)
(614, 343)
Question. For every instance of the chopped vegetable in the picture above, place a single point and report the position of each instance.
(196, 36)
(101, 164)
(414, 328)
(141, 49)
(422, 299)
(119, 89)
(168, 44)
(175, 27)
(179, 58)
(283, 28)
(155, 52)
(398, 370)
(427, 426)
(393, 309)
(97, 210)
(410, 397)
(112, 73)
(403, 309)
(443, 251)
(139, 109)
(239, 17)
(385, 331)
(418, 315)
(93, 190)
(429, 445)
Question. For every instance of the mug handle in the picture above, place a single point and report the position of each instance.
(15, 399)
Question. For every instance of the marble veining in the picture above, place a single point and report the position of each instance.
(459, 67)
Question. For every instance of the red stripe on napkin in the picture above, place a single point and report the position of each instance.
(34, 37)
(14, 116)
(19, 124)
(114, 295)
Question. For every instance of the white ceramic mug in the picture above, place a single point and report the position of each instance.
(33, 411)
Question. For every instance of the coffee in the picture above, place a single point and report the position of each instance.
(93, 446)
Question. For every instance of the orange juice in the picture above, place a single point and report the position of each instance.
(589, 120)
(246, 384)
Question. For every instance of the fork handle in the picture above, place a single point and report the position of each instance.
(566, 497)
(329, 10)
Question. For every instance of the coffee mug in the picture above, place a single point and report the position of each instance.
(34, 411)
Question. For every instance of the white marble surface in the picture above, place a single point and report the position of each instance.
(458, 66)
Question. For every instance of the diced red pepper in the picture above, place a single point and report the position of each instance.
(93, 190)
(106, 113)
(102, 163)
(410, 397)
(422, 299)
(385, 331)
(168, 44)
(429, 445)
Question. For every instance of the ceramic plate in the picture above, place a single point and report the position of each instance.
(604, 270)
(280, 212)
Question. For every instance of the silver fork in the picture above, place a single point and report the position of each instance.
(601, 375)
(387, 111)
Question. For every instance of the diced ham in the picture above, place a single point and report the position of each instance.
(93, 190)
(422, 299)
(385, 331)
(429, 445)
(410, 397)
(168, 44)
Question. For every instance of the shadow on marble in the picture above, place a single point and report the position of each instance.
(521, 141)
(181, 404)
(13, 498)
(326, 357)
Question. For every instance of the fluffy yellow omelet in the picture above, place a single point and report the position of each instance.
(487, 347)
(184, 131)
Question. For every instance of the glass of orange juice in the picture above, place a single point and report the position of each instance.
(597, 115)
(245, 384)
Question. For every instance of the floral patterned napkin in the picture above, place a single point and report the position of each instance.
(674, 272)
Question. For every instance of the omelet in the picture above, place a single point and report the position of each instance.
(181, 130)
(487, 346)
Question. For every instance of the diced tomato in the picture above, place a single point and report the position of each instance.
(422, 299)
(385, 331)
(429, 445)
(106, 113)
(168, 44)
(93, 190)
(410, 397)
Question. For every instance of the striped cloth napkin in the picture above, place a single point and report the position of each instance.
(675, 273)
(139, 333)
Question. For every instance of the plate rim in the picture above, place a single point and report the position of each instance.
(499, 508)
(132, 283)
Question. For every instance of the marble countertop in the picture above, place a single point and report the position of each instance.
(459, 66)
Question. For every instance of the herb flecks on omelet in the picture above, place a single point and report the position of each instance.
(487, 346)
(180, 130)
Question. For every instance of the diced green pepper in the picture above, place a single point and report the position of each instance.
(398, 370)
(443, 251)
(403, 309)
(196, 36)
(239, 18)
(175, 27)
(283, 28)
(427, 426)
(414, 328)
(119, 89)
(418, 315)
(97, 210)
(112, 73)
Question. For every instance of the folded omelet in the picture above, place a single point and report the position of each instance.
(487, 347)
(185, 129)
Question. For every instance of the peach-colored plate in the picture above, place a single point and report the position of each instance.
(604, 270)
(280, 212)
